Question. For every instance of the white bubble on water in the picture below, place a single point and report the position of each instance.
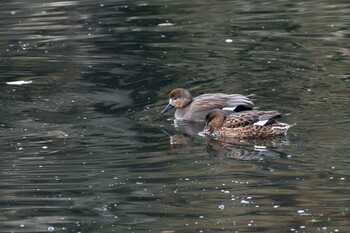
(165, 24)
(20, 82)
(245, 202)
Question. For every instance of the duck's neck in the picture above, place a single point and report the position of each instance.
(187, 103)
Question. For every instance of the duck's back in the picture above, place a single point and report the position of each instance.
(245, 118)
(254, 131)
(254, 123)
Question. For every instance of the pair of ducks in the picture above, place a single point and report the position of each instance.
(244, 122)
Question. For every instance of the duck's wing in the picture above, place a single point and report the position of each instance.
(253, 117)
(267, 117)
(232, 102)
(203, 104)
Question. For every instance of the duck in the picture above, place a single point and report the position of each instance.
(245, 124)
(195, 109)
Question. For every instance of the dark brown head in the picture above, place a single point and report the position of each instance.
(214, 119)
(178, 98)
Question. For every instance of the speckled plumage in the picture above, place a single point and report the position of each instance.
(245, 124)
(195, 109)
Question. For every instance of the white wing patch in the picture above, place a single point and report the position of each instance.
(262, 123)
(229, 108)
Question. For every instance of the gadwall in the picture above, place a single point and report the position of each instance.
(195, 109)
(246, 124)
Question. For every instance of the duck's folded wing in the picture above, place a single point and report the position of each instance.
(252, 117)
(267, 117)
(233, 102)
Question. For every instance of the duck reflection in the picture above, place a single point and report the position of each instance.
(246, 149)
(188, 128)
(188, 134)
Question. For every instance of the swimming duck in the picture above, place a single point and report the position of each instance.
(246, 124)
(195, 109)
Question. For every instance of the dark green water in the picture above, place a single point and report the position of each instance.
(84, 147)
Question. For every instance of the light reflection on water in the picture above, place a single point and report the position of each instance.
(85, 148)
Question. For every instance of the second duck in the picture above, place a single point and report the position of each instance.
(246, 124)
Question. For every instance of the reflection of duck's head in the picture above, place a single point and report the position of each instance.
(195, 109)
(246, 124)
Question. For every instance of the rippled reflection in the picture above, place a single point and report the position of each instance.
(246, 149)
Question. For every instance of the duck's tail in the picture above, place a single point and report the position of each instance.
(282, 127)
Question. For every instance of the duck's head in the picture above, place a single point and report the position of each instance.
(178, 98)
(214, 119)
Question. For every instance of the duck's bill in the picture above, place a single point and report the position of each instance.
(170, 106)
(206, 130)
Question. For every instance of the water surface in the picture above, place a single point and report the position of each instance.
(85, 148)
